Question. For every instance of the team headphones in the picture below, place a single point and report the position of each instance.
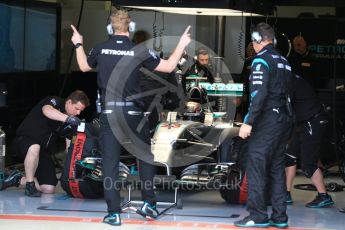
(131, 28)
(202, 50)
(257, 38)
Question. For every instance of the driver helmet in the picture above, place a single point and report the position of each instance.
(193, 107)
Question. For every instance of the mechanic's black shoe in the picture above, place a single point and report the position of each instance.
(30, 190)
(278, 224)
(321, 201)
(249, 222)
(13, 180)
(112, 219)
(288, 198)
(148, 211)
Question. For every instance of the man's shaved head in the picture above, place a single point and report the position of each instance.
(299, 44)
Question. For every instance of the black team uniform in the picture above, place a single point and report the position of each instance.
(271, 125)
(310, 126)
(38, 129)
(304, 66)
(106, 56)
(197, 69)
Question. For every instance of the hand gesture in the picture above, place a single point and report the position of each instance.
(185, 38)
(76, 37)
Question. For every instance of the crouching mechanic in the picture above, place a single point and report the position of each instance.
(307, 136)
(36, 134)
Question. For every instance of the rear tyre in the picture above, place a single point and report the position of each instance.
(235, 190)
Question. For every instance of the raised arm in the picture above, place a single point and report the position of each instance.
(169, 65)
(77, 38)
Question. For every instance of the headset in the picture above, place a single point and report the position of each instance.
(202, 50)
(257, 38)
(110, 29)
(131, 28)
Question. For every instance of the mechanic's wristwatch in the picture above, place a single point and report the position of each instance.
(77, 45)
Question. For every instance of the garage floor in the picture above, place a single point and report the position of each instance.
(201, 210)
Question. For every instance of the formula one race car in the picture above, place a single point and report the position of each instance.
(186, 145)
(189, 144)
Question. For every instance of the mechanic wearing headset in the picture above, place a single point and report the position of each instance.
(201, 66)
(267, 126)
(38, 131)
(119, 49)
(309, 128)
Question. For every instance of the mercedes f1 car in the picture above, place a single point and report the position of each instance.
(187, 145)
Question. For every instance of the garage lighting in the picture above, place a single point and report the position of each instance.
(195, 11)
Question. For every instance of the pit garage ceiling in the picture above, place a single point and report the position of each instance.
(222, 7)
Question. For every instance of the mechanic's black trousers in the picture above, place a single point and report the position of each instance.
(266, 166)
(306, 142)
(116, 128)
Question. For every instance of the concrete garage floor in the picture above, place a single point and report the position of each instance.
(201, 210)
